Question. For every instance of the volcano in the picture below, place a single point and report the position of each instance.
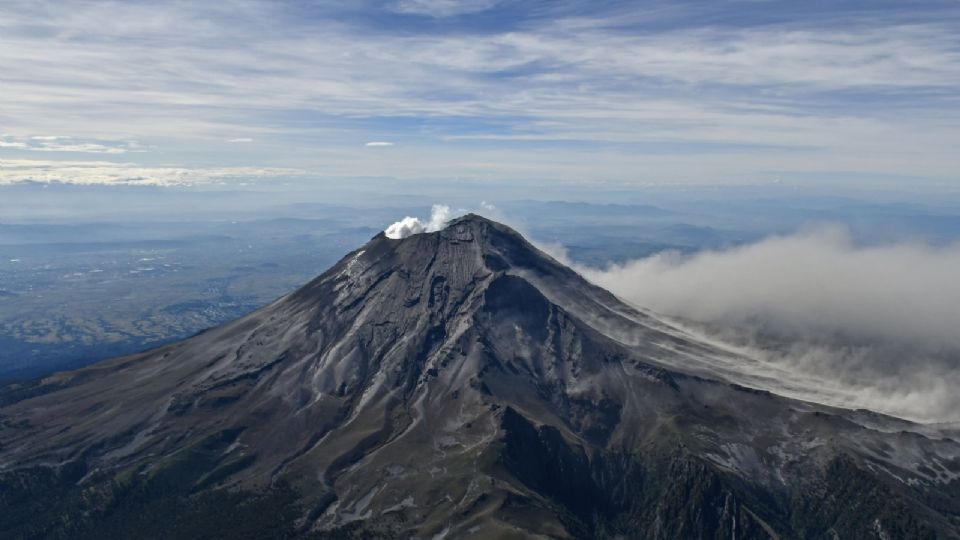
(455, 384)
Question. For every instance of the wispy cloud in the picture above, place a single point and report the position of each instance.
(857, 90)
(86, 148)
(130, 174)
(443, 8)
(379, 143)
(240, 140)
(64, 143)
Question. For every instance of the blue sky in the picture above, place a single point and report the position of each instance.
(725, 92)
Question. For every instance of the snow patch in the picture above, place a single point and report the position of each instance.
(442, 534)
(406, 503)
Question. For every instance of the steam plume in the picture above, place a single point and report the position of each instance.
(439, 216)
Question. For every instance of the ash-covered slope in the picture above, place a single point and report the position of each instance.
(454, 384)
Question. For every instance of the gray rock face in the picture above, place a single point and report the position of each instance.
(459, 384)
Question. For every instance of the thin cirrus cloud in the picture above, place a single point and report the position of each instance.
(86, 148)
(64, 143)
(240, 140)
(111, 173)
(773, 90)
(443, 8)
(375, 144)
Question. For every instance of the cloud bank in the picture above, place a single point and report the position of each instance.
(13, 171)
(875, 326)
(439, 216)
(63, 143)
(815, 280)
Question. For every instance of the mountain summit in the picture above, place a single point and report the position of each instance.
(454, 384)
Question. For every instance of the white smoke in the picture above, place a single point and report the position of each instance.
(879, 323)
(440, 215)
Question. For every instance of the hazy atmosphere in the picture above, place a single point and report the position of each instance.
(306, 269)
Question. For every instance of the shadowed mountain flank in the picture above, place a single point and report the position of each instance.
(454, 384)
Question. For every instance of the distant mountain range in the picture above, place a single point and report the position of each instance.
(457, 384)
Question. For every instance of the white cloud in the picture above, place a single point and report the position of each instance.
(14, 171)
(86, 148)
(379, 143)
(633, 94)
(240, 140)
(63, 143)
(444, 8)
(816, 280)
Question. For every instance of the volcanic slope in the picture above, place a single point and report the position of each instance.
(454, 384)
